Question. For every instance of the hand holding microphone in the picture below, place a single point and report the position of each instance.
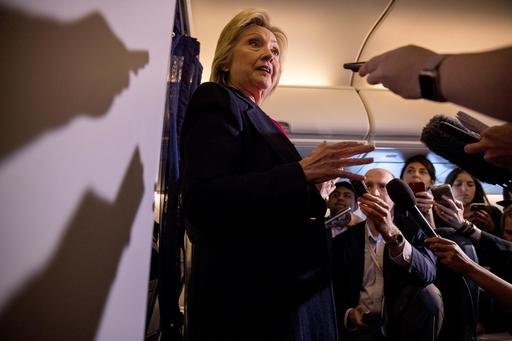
(447, 137)
(495, 144)
(403, 197)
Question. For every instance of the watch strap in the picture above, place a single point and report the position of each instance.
(429, 79)
(396, 240)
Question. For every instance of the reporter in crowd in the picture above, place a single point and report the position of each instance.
(483, 227)
(468, 190)
(418, 169)
(342, 197)
(383, 273)
(450, 254)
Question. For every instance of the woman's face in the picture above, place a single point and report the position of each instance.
(255, 65)
(464, 188)
(416, 172)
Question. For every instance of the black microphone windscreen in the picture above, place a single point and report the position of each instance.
(401, 194)
(446, 136)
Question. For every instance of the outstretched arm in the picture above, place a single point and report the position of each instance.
(480, 81)
(450, 254)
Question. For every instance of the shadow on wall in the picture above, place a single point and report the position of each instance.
(66, 300)
(53, 71)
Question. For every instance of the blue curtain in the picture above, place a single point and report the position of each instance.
(184, 77)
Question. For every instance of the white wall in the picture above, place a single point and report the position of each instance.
(83, 94)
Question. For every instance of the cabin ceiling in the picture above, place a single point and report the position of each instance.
(324, 34)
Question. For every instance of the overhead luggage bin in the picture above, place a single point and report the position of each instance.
(394, 119)
(319, 113)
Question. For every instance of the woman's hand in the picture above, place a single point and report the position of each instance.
(449, 253)
(327, 161)
(483, 220)
(325, 188)
(452, 212)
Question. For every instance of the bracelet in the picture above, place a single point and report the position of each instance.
(467, 229)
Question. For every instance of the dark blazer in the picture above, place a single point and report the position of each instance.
(348, 267)
(498, 254)
(260, 267)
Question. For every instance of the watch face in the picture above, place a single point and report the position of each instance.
(428, 85)
(396, 240)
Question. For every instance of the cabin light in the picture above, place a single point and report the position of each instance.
(309, 81)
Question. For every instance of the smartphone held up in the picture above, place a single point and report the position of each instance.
(359, 187)
(417, 187)
(354, 67)
(441, 191)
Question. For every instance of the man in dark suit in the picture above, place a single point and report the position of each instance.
(383, 274)
(341, 198)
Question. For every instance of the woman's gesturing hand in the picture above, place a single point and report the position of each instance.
(327, 161)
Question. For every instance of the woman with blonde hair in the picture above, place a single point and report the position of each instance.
(260, 263)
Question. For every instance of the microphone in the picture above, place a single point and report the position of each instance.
(403, 197)
(446, 136)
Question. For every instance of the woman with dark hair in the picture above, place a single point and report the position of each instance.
(467, 220)
(419, 170)
(469, 190)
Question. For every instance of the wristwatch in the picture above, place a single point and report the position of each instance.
(429, 80)
(396, 240)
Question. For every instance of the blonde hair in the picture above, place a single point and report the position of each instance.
(229, 36)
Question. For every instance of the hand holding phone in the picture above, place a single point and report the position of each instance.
(417, 187)
(476, 206)
(359, 187)
(442, 190)
(353, 66)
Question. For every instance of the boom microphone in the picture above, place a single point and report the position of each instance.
(446, 136)
(403, 197)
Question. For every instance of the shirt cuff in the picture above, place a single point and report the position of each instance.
(404, 258)
(345, 320)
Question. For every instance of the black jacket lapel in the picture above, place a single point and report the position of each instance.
(268, 129)
(271, 133)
